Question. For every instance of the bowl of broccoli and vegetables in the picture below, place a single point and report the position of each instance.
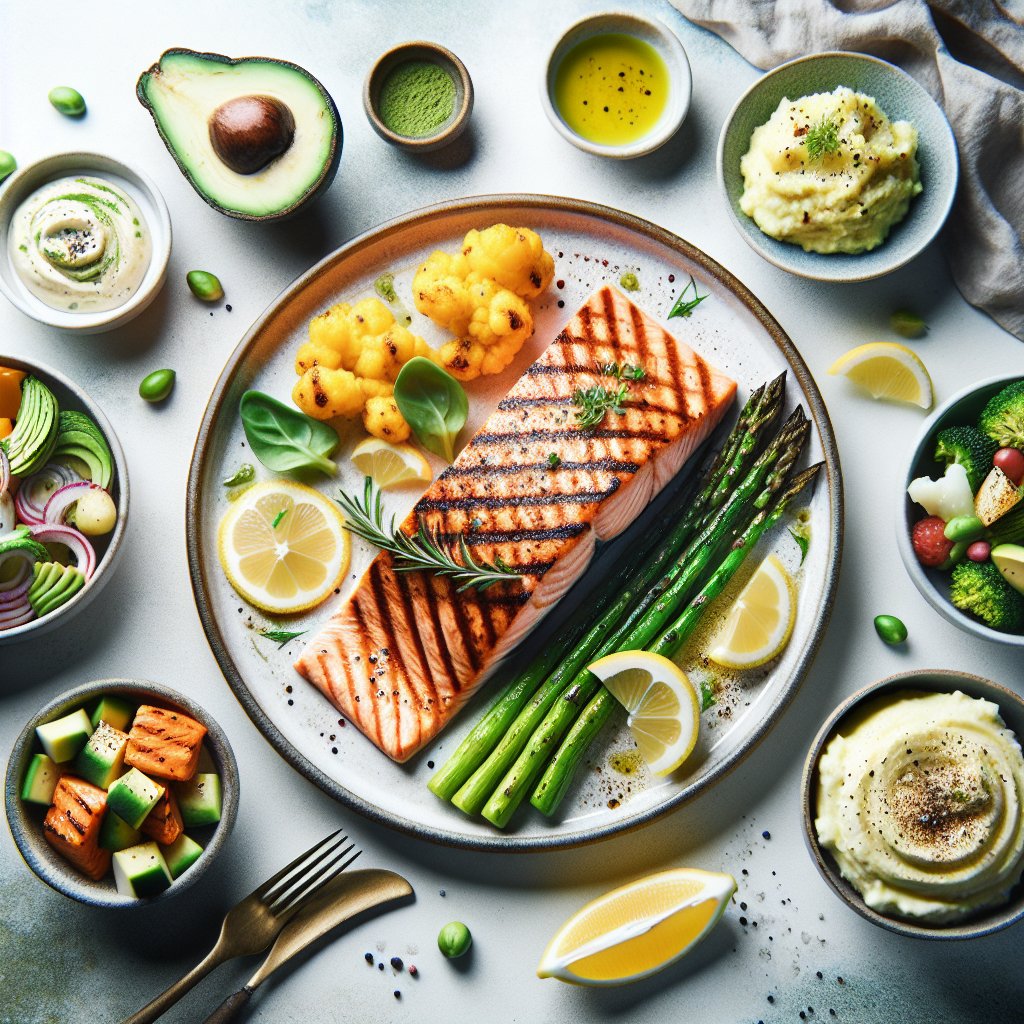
(961, 528)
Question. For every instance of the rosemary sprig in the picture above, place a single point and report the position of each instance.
(424, 550)
(684, 306)
(281, 636)
(595, 402)
(823, 138)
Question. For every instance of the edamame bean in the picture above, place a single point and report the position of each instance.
(8, 165)
(907, 324)
(890, 629)
(454, 940)
(958, 551)
(967, 528)
(67, 100)
(157, 386)
(204, 285)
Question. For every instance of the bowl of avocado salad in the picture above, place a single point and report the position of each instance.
(121, 792)
(63, 499)
(960, 528)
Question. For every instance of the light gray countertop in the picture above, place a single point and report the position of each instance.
(60, 961)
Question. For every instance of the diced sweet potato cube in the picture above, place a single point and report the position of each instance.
(164, 823)
(72, 825)
(164, 744)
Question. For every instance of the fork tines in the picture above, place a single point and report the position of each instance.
(299, 880)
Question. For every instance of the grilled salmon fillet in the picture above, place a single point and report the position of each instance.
(405, 650)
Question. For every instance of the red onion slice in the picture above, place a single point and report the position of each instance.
(17, 617)
(36, 490)
(81, 549)
(8, 598)
(63, 498)
(23, 572)
(5, 471)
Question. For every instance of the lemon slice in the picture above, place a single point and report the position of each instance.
(390, 464)
(283, 546)
(760, 621)
(636, 930)
(886, 369)
(664, 712)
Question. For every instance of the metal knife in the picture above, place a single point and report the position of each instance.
(342, 899)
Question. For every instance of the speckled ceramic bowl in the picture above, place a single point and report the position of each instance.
(139, 186)
(71, 396)
(25, 820)
(432, 53)
(670, 49)
(1011, 708)
(963, 408)
(902, 99)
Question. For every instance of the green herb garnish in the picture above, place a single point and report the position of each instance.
(708, 697)
(823, 138)
(285, 439)
(243, 475)
(802, 543)
(595, 402)
(434, 405)
(684, 306)
(624, 372)
(424, 550)
(281, 636)
(630, 282)
(277, 519)
(554, 460)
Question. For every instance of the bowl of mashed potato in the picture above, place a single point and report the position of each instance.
(913, 804)
(838, 167)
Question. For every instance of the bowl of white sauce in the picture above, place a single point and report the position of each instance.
(84, 241)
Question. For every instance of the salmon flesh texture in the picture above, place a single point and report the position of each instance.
(405, 650)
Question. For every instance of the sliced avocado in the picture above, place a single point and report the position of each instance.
(78, 437)
(133, 796)
(115, 711)
(101, 760)
(54, 585)
(116, 834)
(40, 780)
(141, 872)
(256, 137)
(63, 738)
(181, 854)
(199, 800)
(31, 442)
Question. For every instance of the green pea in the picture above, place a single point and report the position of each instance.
(907, 324)
(8, 165)
(67, 100)
(204, 285)
(157, 386)
(454, 940)
(968, 528)
(890, 629)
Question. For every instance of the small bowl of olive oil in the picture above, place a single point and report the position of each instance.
(617, 85)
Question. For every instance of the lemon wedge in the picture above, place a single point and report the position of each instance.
(760, 620)
(390, 464)
(886, 369)
(283, 546)
(664, 712)
(636, 930)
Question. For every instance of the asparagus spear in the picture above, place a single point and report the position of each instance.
(640, 629)
(560, 770)
(499, 736)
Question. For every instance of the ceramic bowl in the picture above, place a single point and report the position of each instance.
(963, 408)
(433, 53)
(1011, 708)
(108, 549)
(24, 182)
(669, 48)
(902, 99)
(25, 819)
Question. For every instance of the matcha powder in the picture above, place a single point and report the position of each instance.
(417, 97)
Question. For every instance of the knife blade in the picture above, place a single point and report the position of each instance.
(342, 899)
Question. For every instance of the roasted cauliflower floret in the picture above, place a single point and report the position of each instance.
(480, 296)
(349, 365)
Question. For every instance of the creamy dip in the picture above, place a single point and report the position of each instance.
(830, 172)
(80, 244)
(920, 804)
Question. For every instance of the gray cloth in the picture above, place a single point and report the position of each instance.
(969, 54)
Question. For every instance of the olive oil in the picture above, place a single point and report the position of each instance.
(611, 89)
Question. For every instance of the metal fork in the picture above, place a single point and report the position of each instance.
(252, 925)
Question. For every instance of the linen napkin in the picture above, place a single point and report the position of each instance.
(969, 54)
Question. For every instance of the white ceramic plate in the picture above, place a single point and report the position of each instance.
(593, 245)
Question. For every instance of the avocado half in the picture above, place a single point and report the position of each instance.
(257, 138)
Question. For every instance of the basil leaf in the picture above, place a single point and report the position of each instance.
(283, 438)
(433, 403)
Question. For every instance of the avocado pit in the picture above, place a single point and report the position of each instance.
(249, 132)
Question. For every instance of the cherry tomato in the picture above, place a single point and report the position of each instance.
(931, 545)
(1011, 462)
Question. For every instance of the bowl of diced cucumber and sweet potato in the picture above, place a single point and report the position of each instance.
(121, 792)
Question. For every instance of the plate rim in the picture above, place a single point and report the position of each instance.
(482, 204)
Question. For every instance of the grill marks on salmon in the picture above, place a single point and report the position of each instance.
(72, 825)
(405, 650)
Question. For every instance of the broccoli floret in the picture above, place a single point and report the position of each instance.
(1003, 418)
(979, 588)
(968, 446)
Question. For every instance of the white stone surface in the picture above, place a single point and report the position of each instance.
(60, 961)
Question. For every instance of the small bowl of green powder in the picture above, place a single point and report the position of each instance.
(419, 96)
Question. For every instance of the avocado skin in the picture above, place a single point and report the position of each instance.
(317, 189)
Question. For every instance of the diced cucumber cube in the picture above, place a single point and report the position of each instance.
(101, 760)
(181, 854)
(133, 796)
(40, 781)
(64, 738)
(141, 872)
(116, 834)
(199, 800)
(115, 711)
